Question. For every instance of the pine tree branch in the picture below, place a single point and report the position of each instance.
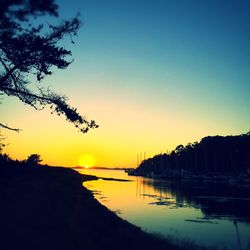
(7, 127)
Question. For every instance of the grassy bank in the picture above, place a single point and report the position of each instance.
(48, 208)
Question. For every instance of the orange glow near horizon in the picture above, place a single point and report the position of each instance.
(116, 143)
(86, 160)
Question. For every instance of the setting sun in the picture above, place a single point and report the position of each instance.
(86, 160)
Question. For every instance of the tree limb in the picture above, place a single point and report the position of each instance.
(7, 127)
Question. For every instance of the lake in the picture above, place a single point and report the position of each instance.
(209, 214)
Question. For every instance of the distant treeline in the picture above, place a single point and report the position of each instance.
(10, 167)
(213, 154)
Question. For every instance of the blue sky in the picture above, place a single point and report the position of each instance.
(194, 53)
(154, 74)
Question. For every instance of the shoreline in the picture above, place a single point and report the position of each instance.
(49, 208)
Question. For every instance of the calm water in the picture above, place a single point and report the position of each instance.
(209, 214)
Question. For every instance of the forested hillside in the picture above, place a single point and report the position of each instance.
(213, 154)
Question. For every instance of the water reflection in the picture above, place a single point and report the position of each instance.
(207, 213)
(215, 199)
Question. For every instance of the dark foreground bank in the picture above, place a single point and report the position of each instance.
(48, 208)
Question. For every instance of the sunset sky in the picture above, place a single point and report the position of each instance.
(152, 73)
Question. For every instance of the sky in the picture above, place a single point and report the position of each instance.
(152, 73)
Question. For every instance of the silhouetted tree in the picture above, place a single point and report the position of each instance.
(2, 144)
(33, 159)
(27, 49)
